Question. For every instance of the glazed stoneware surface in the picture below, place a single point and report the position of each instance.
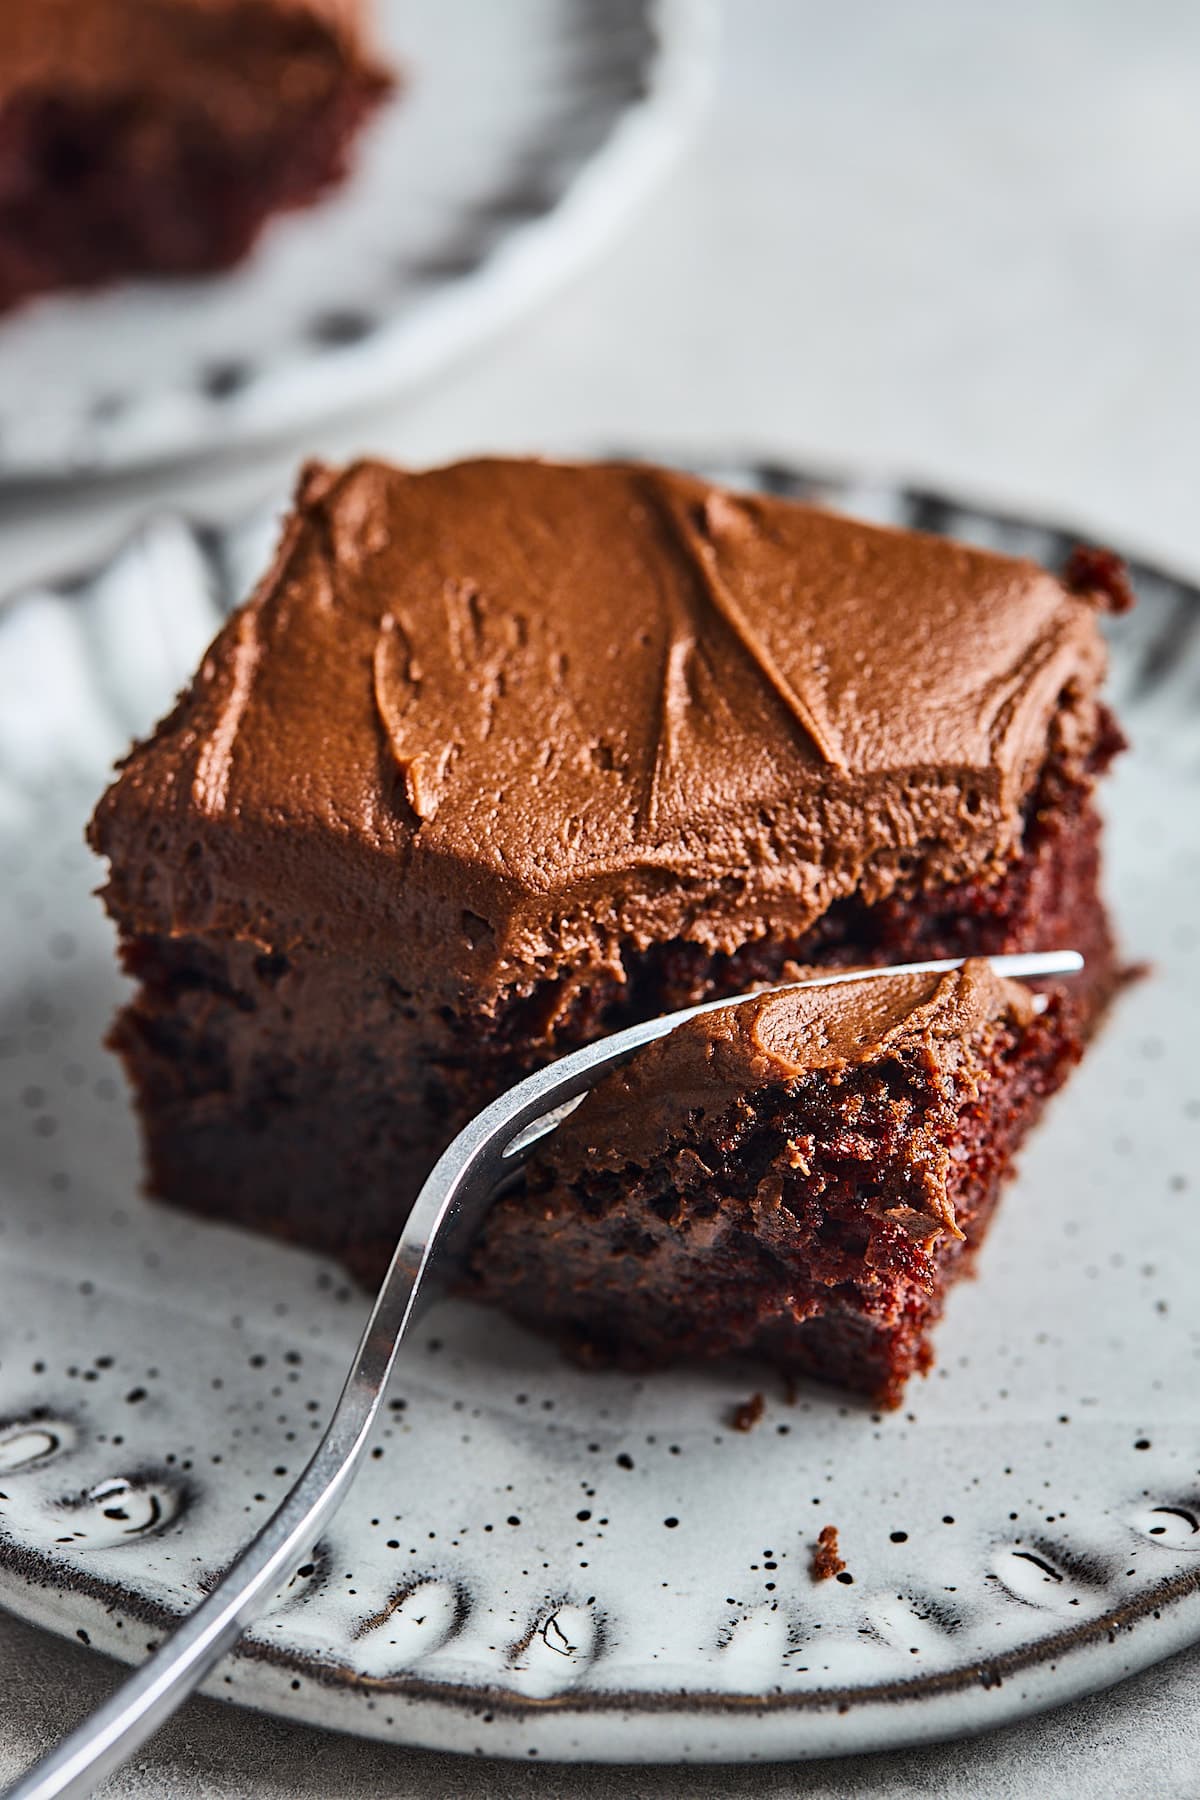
(538, 1561)
(440, 235)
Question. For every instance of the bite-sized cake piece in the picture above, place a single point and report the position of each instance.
(799, 1177)
(508, 754)
(154, 137)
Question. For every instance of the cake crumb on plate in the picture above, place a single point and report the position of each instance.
(826, 1557)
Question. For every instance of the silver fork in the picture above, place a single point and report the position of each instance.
(482, 1158)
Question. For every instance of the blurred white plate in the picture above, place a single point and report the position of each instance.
(524, 134)
(536, 1560)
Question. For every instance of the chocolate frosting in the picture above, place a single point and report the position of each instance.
(777, 1039)
(502, 719)
(686, 1083)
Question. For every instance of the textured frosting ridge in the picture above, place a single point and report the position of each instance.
(538, 712)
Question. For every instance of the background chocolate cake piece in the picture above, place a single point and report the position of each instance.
(505, 755)
(798, 1177)
(155, 137)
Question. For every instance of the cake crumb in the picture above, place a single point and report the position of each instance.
(826, 1559)
(747, 1415)
(1102, 576)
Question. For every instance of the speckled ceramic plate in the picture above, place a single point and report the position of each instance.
(525, 133)
(538, 1561)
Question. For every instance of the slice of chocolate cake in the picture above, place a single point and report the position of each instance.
(155, 137)
(505, 755)
(798, 1177)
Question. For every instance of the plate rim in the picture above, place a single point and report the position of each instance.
(16, 1558)
(542, 250)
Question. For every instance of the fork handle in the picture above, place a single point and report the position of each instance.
(149, 1696)
(455, 1194)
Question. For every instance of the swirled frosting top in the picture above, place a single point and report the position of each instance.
(508, 717)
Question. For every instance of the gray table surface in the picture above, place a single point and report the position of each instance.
(953, 240)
